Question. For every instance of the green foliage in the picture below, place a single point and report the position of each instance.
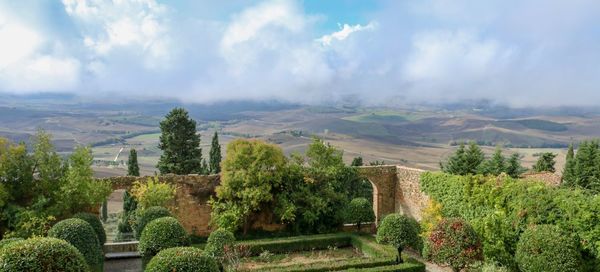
(81, 191)
(513, 167)
(217, 241)
(587, 172)
(297, 243)
(28, 223)
(128, 215)
(495, 165)
(359, 210)
(133, 168)
(465, 160)
(545, 162)
(252, 171)
(215, 155)
(7, 241)
(162, 233)
(180, 144)
(181, 259)
(398, 231)
(104, 210)
(153, 193)
(358, 161)
(405, 267)
(94, 221)
(81, 235)
(42, 254)
(455, 243)
(148, 215)
(501, 208)
(547, 248)
(569, 176)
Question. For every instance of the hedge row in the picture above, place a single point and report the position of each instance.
(377, 255)
(298, 243)
(405, 267)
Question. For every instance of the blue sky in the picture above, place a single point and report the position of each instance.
(386, 52)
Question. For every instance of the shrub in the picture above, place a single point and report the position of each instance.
(160, 234)
(216, 243)
(7, 241)
(41, 254)
(146, 216)
(547, 248)
(360, 210)
(81, 235)
(94, 221)
(453, 242)
(153, 193)
(181, 259)
(399, 231)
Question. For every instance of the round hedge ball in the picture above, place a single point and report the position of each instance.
(162, 233)
(182, 259)
(7, 241)
(41, 254)
(398, 231)
(96, 224)
(82, 236)
(217, 241)
(455, 243)
(547, 248)
(147, 216)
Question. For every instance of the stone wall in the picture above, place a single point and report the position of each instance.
(408, 198)
(193, 191)
(549, 178)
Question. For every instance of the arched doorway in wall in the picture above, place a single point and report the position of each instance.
(114, 221)
(383, 180)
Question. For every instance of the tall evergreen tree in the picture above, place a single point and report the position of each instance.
(180, 144)
(514, 167)
(545, 163)
(456, 164)
(474, 157)
(358, 161)
(133, 168)
(569, 174)
(587, 163)
(495, 165)
(215, 155)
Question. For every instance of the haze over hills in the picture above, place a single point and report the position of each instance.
(413, 135)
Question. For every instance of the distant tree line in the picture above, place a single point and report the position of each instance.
(470, 160)
(582, 168)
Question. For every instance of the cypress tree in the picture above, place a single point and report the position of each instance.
(545, 163)
(569, 175)
(215, 155)
(180, 144)
(456, 164)
(496, 164)
(133, 168)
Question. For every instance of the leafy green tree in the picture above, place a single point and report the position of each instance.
(545, 162)
(398, 231)
(547, 248)
(569, 175)
(48, 166)
(215, 155)
(16, 170)
(360, 210)
(513, 167)
(251, 172)
(133, 168)
(358, 161)
(180, 144)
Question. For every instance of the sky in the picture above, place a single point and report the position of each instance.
(522, 53)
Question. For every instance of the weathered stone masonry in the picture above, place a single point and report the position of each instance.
(395, 189)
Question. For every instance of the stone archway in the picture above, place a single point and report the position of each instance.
(396, 189)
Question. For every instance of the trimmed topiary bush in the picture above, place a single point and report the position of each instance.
(162, 233)
(547, 248)
(7, 241)
(359, 210)
(181, 259)
(216, 243)
(94, 221)
(455, 243)
(147, 216)
(398, 231)
(41, 254)
(81, 235)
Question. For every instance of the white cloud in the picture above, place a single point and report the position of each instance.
(344, 32)
(45, 73)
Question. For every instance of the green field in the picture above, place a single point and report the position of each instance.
(384, 116)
